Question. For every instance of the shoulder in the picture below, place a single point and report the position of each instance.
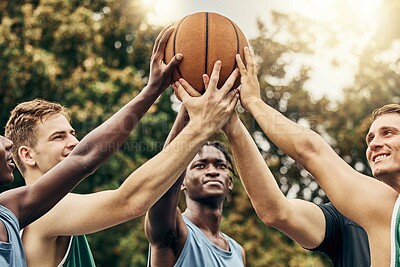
(7, 220)
(330, 211)
(44, 227)
(14, 201)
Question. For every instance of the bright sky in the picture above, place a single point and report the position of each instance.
(326, 79)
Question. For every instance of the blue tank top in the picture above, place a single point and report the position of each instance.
(12, 252)
(199, 251)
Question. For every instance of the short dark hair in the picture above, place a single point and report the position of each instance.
(221, 147)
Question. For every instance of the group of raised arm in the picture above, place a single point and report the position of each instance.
(359, 227)
(43, 138)
(365, 200)
(42, 143)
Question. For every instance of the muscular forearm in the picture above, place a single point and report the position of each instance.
(158, 174)
(162, 215)
(334, 175)
(298, 142)
(87, 156)
(300, 220)
(260, 185)
(103, 141)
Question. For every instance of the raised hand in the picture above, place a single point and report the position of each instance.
(161, 74)
(250, 88)
(212, 110)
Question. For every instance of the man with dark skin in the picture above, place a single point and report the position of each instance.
(193, 238)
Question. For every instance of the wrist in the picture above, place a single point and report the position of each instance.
(151, 90)
(199, 130)
(231, 129)
(253, 105)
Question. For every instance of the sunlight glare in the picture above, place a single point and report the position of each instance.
(359, 14)
(161, 11)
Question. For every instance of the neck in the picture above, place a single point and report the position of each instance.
(32, 175)
(393, 182)
(205, 217)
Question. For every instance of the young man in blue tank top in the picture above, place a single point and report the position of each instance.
(193, 238)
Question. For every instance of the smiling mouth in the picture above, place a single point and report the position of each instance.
(380, 157)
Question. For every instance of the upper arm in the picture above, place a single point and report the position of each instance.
(16, 201)
(36, 199)
(355, 195)
(164, 219)
(166, 243)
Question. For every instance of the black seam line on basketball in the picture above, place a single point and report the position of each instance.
(237, 41)
(174, 46)
(206, 61)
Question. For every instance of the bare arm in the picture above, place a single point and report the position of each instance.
(302, 221)
(164, 226)
(94, 149)
(342, 183)
(163, 217)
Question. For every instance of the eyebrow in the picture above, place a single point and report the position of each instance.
(383, 128)
(61, 132)
(202, 160)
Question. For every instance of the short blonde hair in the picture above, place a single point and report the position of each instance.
(386, 109)
(22, 125)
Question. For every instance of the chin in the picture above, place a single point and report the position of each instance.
(377, 173)
(383, 175)
(8, 180)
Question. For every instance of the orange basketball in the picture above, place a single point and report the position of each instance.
(203, 38)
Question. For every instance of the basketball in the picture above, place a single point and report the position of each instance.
(203, 38)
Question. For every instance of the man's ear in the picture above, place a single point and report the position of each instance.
(230, 183)
(27, 155)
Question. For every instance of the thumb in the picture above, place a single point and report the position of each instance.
(180, 92)
(175, 61)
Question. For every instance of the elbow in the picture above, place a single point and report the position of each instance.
(135, 209)
(85, 164)
(306, 149)
(273, 220)
(88, 160)
(273, 217)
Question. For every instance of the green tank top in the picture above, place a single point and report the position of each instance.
(78, 253)
(395, 235)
